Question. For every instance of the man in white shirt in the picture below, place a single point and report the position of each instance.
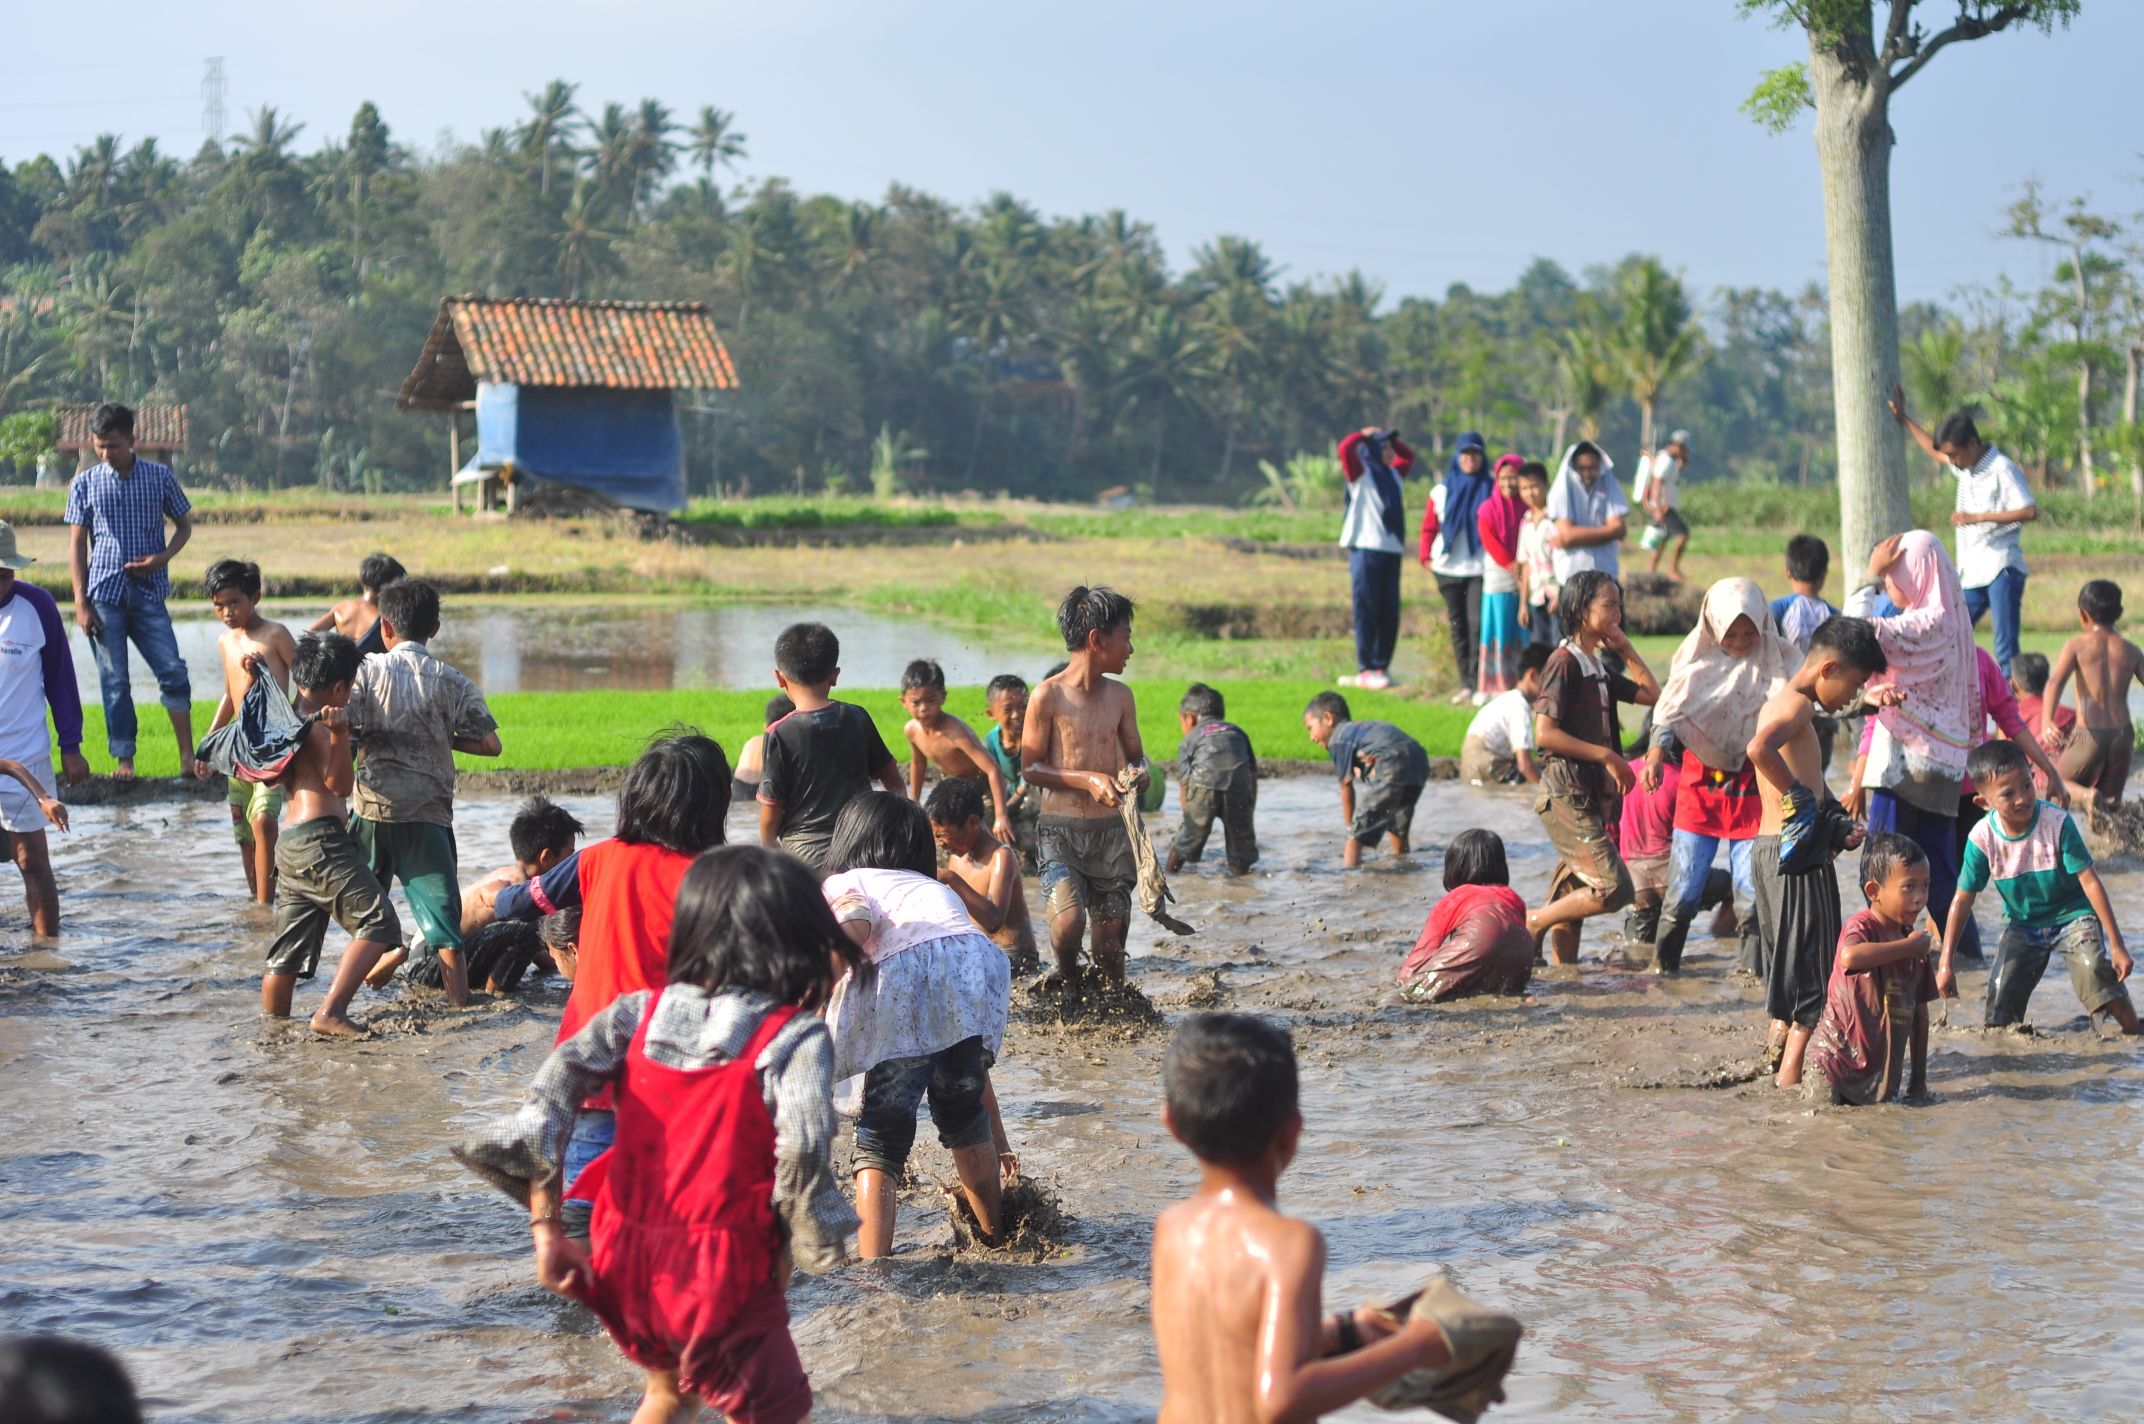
(1499, 746)
(1591, 515)
(1659, 489)
(1992, 507)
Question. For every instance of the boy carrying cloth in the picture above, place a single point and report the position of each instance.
(1082, 730)
(409, 714)
(2053, 901)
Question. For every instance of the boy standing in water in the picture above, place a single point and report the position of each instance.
(1389, 767)
(358, 619)
(321, 871)
(410, 713)
(820, 757)
(983, 871)
(947, 742)
(2104, 663)
(1081, 732)
(251, 645)
(1798, 910)
(1217, 778)
(1008, 715)
(1876, 1008)
(1237, 1285)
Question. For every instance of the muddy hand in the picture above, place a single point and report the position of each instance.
(561, 1262)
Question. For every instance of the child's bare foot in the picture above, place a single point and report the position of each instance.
(336, 1026)
(124, 771)
(381, 976)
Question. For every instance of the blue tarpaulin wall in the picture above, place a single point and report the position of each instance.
(623, 445)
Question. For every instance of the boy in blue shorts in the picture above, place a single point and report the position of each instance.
(2053, 902)
(1387, 765)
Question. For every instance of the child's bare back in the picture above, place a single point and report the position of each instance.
(2103, 663)
(353, 618)
(1081, 729)
(1224, 1263)
(320, 774)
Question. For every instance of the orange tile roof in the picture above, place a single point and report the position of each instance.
(156, 426)
(546, 341)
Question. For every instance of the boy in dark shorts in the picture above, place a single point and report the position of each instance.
(2095, 763)
(1007, 707)
(820, 757)
(321, 871)
(1876, 1008)
(542, 835)
(983, 871)
(1216, 778)
(1584, 777)
(2053, 901)
(1082, 729)
(1389, 766)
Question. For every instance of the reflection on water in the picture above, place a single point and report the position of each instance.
(271, 1230)
(551, 647)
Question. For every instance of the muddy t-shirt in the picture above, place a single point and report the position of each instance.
(817, 762)
(1860, 1043)
(1216, 756)
(1579, 694)
(1380, 751)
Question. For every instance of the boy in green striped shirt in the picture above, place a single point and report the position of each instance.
(2053, 902)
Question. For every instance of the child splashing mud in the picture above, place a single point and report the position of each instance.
(1717, 684)
(722, 1172)
(925, 1016)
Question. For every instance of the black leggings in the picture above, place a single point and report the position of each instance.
(1462, 612)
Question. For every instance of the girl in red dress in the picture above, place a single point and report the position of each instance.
(721, 1174)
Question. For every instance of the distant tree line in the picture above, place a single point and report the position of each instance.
(912, 343)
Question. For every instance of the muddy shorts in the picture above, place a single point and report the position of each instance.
(254, 801)
(1237, 813)
(1481, 767)
(1087, 864)
(2099, 757)
(952, 1080)
(2021, 958)
(322, 875)
(1805, 938)
(1586, 859)
(1025, 812)
(1672, 525)
(1382, 809)
(809, 849)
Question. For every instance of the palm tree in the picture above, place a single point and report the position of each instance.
(1586, 366)
(1654, 340)
(651, 155)
(367, 154)
(1934, 364)
(1166, 367)
(715, 143)
(609, 154)
(585, 244)
(1235, 324)
(93, 176)
(993, 309)
(850, 236)
(553, 118)
(1231, 262)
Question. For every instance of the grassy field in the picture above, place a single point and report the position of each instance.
(564, 731)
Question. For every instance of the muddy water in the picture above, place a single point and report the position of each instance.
(552, 647)
(270, 1229)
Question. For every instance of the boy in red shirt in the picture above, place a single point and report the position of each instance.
(1876, 1005)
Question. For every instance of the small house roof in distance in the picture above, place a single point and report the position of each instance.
(548, 341)
(156, 426)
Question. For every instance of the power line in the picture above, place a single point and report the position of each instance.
(212, 119)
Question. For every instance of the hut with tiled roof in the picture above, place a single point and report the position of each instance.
(159, 432)
(575, 393)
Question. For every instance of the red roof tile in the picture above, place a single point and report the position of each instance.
(156, 427)
(532, 341)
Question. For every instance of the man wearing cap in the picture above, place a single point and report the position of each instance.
(36, 672)
(1659, 489)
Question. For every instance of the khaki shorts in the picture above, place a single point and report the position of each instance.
(1577, 826)
(322, 875)
(255, 800)
(1478, 766)
(1087, 864)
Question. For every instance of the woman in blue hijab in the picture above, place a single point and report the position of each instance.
(1451, 550)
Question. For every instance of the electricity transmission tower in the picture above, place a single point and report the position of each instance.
(212, 121)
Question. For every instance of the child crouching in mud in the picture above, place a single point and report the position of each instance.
(1081, 730)
(321, 871)
(1237, 1284)
(723, 1082)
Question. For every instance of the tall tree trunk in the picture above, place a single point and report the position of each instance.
(2132, 359)
(2087, 479)
(1645, 424)
(975, 445)
(1228, 446)
(1853, 147)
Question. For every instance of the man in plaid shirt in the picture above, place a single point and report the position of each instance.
(119, 558)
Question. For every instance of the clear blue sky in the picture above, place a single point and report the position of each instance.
(1426, 142)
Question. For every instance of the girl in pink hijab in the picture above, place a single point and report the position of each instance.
(1502, 639)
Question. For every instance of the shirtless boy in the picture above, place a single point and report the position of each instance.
(2096, 761)
(1237, 1285)
(1081, 731)
(1798, 908)
(983, 871)
(947, 742)
(249, 641)
(358, 619)
(322, 873)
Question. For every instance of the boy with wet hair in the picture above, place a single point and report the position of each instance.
(2096, 761)
(820, 757)
(1390, 767)
(983, 871)
(1799, 613)
(1007, 706)
(1584, 777)
(542, 835)
(1217, 778)
(322, 872)
(409, 714)
(1802, 829)
(358, 619)
(250, 645)
(2053, 901)
(1237, 1285)
(1876, 1005)
(1080, 735)
(946, 742)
